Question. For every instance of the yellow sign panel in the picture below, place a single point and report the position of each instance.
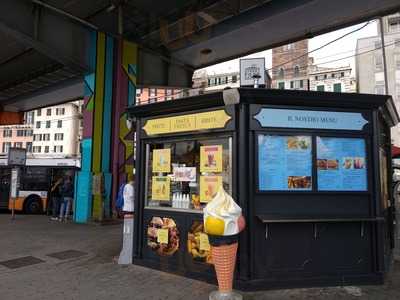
(211, 158)
(162, 160)
(160, 188)
(162, 236)
(209, 186)
(204, 242)
(200, 121)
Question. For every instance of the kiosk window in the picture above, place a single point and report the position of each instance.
(285, 163)
(341, 164)
(187, 174)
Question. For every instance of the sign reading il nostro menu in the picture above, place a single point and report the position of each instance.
(291, 118)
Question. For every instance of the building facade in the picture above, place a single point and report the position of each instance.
(56, 131)
(290, 66)
(338, 80)
(18, 136)
(370, 65)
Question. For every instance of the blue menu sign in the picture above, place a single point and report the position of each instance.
(285, 163)
(291, 118)
(341, 164)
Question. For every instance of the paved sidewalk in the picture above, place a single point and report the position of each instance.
(93, 275)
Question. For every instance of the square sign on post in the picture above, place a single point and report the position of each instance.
(250, 69)
(16, 157)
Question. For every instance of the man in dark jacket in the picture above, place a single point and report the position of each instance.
(56, 198)
(67, 194)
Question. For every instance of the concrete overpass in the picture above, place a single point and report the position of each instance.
(55, 51)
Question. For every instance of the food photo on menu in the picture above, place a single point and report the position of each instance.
(197, 243)
(168, 244)
(299, 182)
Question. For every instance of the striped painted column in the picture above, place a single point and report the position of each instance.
(107, 145)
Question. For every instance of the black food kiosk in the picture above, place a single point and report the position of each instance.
(311, 171)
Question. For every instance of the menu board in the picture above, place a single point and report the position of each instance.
(162, 160)
(285, 162)
(211, 158)
(341, 164)
(160, 190)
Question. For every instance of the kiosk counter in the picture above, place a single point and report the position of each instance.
(311, 171)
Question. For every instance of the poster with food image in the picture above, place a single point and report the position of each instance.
(160, 188)
(341, 164)
(162, 160)
(209, 186)
(198, 245)
(211, 158)
(184, 174)
(163, 236)
(284, 163)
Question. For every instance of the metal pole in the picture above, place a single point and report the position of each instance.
(384, 56)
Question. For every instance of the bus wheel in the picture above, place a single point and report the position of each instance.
(33, 205)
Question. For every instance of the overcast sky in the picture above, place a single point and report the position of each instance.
(340, 49)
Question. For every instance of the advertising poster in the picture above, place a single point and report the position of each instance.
(162, 160)
(285, 163)
(341, 164)
(163, 236)
(211, 158)
(160, 189)
(185, 174)
(209, 186)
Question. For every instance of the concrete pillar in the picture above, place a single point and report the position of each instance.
(107, 151)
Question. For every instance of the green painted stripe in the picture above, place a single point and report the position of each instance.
(99, 102)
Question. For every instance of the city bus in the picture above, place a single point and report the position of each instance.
(35, 181)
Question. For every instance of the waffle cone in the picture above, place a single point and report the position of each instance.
(224, 259)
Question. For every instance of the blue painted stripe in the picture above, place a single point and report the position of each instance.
(86, 154)
(107, 111)
(131, 94)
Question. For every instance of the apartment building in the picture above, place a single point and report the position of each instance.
(18, 136)
(370, 68)
(338, 79)
(290, 66)
(56, 131)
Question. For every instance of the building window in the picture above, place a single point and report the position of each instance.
(46, 137)
(296, 71)
(281, 85)
(301, 84)
(342, 74)
(20, 132)
(37, 124)
(292, 84)
(29, 147)
(29, 132)
(37, 149)
(6, 147)
(48, 112)
(320, 88)
(380, 89)
(39, 112)
(58, 149)
(316, 77)
(7, 133)
(152, 94)
(59, 136)
(281, 73)
(333, 75)
(18, 144)
(394, 24)
(337, 87)
(29, 117)
(378, 62)
(47, 124)
(234, 78)
(46, 149)
(37, 137)
(378, 45)
(168, 92)
(59, 124)
(60, 111)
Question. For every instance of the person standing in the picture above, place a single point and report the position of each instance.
(67, 194)
(128, 210)
(56, 199)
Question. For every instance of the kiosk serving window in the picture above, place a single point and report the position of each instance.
(286, 163)
(186, 174)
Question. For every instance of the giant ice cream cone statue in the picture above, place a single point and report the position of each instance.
(223, 221)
